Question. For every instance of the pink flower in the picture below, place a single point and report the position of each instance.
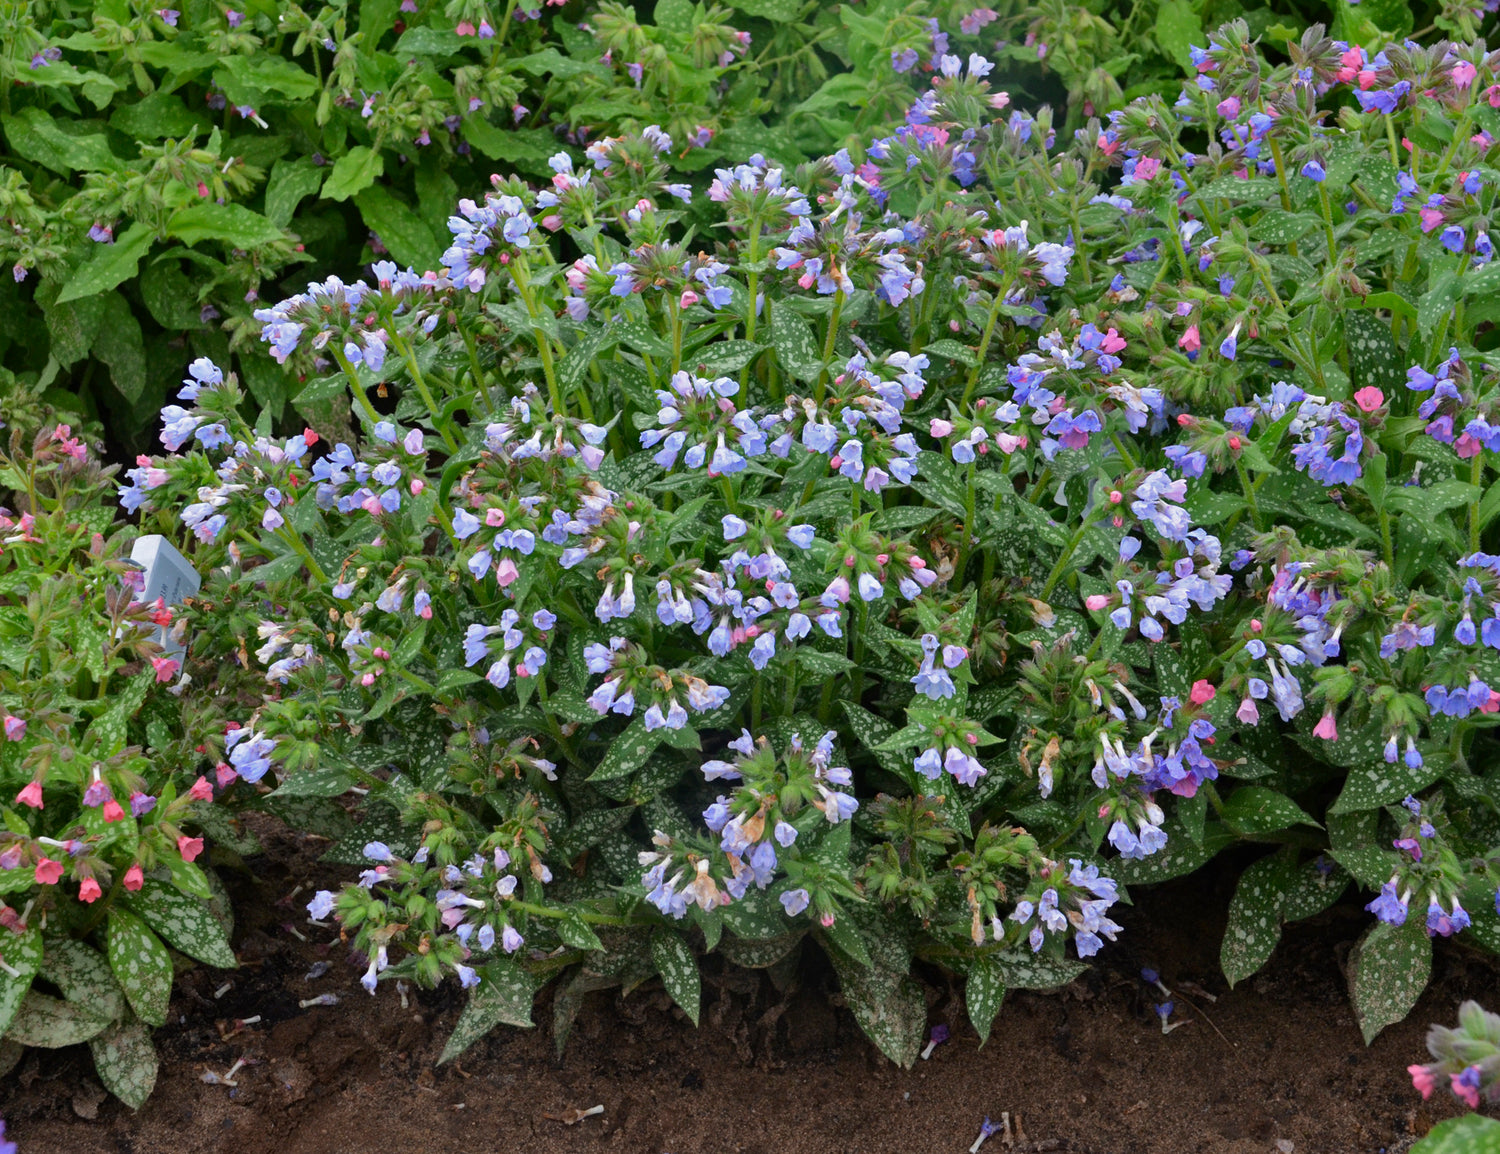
(113, 811)
(1463, 74)
(189, 847)
(15, 728)
(1469, 1094)
(226, 774)
(89, 891)
(1190, 341)
(166, 667)
(48, 872)
(201, 790)
(1431, 218)
(1095, 602)
(1327, 728)
(506, 572)
(688, 298)
(1147, 167)
(1248, 713)
(1202, 693)
(1467, 447)
(1369, 399)
(939, 427)
(31, 795)
(135, 877)
(1421, 1078)
(465, 28)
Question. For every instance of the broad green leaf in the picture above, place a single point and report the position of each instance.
(575, 932)
(1180, 855)
(675, 16)
(1256, 809)
(265, 72)
(504, 996)
(720, 358)
(983, 992)
(1471, 1134)
(110, 265)
(73, 325)
(22, 953)
(776, 11)
(889, 1007)
(35, 136)
(1388, 970)
(759, 953)
(141, 965)
(1254, 925)
(185, 922)
(120, 346)
(1278, 227)
(400, 229)
(678, 969)
(1437, 302)
(234, 224)
(845, 935)
(125, 1060)
(353, 172)
(627, 752)
(291, 180)
(52, 1023)
(1374, 358)
(1375, 784)
(83, 976)
(1178, 29)
(1021, 969)
(796, 350)
(159, 115)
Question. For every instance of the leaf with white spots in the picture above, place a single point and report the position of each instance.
(1374, 358)
(83, 975)
(1316, 886)
(504, 996)
(759, 953)
(575, 932)
(678, 969)
(52, 1023)
(186, 922)
(1255, 809)
(629, 750)
(1470, 1134)
(889, 1007)
(126, 1062)
(22, 953)
(1388, 970)
(1023, 970)
(1180, 855)
(1375, 784)
(983, 993)
(796, 349)
(1254, 926)
(141, 965)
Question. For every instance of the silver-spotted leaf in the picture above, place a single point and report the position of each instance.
(983, 993)
(141, 965)
(23, 954)
(1388, 970)
(678, 969)
(889, 1007)
(1254, 926)
(502, 998)
(125, 1060)
(186, 922)
(83, 975)
(52, 1023)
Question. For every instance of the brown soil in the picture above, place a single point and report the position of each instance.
(1280, 1066)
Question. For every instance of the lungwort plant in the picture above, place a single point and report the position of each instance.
(961, 530)
(105, 798)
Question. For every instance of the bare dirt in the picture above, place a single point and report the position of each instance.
(1274, 1066)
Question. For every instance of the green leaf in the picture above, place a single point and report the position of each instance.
(627, 752)
(1471, 1134)
(186, 922)
(1023, 970)
(141, 965)
(1178, 29)
(889, 1007)
(759, 953)
(575, 932)
(52, 1023)
(169, 295)
(1388, 970)
(234, 224)
(126, 1061)
(159, 115)
(776, 11)
(22, 953)
(796, 350)
(1180, 856)
(1278, 227)
(504, 996)
(678, 969)
(119, 345)
(401, 230)
(291, 180)
(720, 358)
(845, 935)
(1437, 302)
(110, 265)
(1374, 358)
(822, 664)
(264, 72)
(1256, 809)
(983, 992)
(675, 16)
(1254, 925)
(1380, 784)
(33, 135)
(353, 172)
(83, 976)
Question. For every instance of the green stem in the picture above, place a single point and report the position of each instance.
(584, 915)
(1062, 561)
(359, 390)
(520, 278)
(984, 340)
(1249, 491)
(410, 356)
(833, 329)
(965, 542)
(1476, 475)
(294, 539)
(1385, 538)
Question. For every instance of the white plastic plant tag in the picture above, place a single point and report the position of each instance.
(169, 576)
